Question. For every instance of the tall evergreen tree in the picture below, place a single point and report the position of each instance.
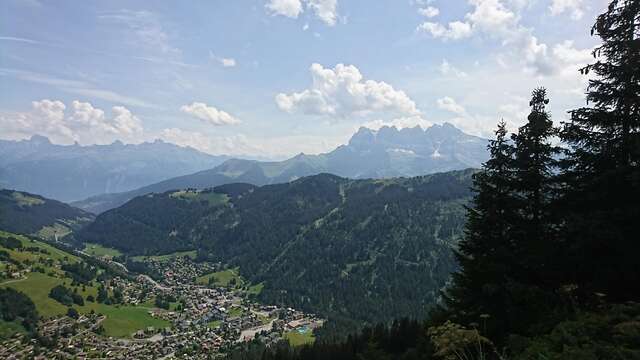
(602, 171)
(535, 188)
(484, 254)
(506, 255)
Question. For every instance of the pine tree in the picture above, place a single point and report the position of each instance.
(484, 254)
(535, 187)
(602, 171)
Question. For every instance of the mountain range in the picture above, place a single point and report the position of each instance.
(384, 153)
(74, 172)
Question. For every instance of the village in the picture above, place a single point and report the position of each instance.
(205, 319)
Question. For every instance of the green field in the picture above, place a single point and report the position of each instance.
(296, 338)
(51, 232)
(222, 278)
(121, 321)
(125, 320)
(192, 254)
(235, 312)
(99, 250)
(255, 290)
(214, 324)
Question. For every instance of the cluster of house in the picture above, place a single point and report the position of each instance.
(180, 269)
(207, 321)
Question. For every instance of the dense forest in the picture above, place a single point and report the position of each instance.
(24, 213)
(354, 251)
(549, 258)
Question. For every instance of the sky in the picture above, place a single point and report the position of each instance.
(274, 78)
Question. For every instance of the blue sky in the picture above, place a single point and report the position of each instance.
(279, 77)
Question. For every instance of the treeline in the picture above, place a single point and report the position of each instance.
(549, 263)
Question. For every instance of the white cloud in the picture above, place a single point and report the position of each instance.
(325, 10)
(575, 7)
(288, 8)
(342, 91)
(449, 104)
(225, 62)
(429, 11)
(209, 114)
(572, 58)
(500, 20)
(146, 27)
(75, 86)
(86, 124)
(454, 31)
(18, 39)
(109, 96)
(228, 62)
(447, 69)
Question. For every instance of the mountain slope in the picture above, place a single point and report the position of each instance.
(76, 172)
(26, 213)
(356, 251)
(384, 153)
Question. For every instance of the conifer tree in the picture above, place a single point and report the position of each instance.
(602, 171)
(535, 188)
(484, 254)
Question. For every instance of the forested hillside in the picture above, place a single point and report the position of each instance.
(26, 213)
(357, 251)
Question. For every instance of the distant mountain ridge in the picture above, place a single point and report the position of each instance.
(74, 172)
(384, 153)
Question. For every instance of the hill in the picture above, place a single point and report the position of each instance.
(25, 213)
(384, 153)
(74, 172)
(356, 251)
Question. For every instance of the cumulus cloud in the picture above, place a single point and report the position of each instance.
(209, 114)
(575, 7)
(429, 11)
(453, 31)
(325, 10)
(288, 8)
(342, 91)
(449, 104)
(500, 20)
(85, 123)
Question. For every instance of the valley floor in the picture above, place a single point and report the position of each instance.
(196, 310)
